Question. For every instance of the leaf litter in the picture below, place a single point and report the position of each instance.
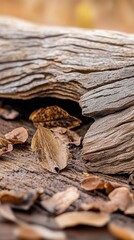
(49, 143)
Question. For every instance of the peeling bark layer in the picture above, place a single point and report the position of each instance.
(94, 68)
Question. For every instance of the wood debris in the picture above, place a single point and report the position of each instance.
(52, 153)
(54, 116)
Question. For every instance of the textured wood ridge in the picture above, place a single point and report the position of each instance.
(95, 68)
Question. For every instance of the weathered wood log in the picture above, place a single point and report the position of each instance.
(94, 68)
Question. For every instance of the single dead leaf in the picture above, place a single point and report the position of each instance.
(92, 182)
(122, 197)
(10, 196)
(97, 203)
(5, 146)
(8, 114)
(36, 232)
(60, 201)
(29, 199)
(121, 231)
(67, 136)
(17, 136)
(71, 219)
(52, 152)
(54, 116)
(7, 213)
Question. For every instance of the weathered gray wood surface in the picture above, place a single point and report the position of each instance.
(94, 68)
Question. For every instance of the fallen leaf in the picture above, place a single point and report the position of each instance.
(67, 136)
(10, 196)
(52, 152)
(7, 213)
(5, 146)
(122, 197)
(54, 116)
(121, 230)
(60, 201)
(97, 203)
(8, 114)
(36, 232)
(92, 182)
(17, 136)
(29, 199)
(71, 219)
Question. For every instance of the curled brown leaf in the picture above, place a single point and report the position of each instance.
(17, 135)
(121, 197)
(54, 116)
(92, 182)
(52, 153)
(60, 201)
(5, 146)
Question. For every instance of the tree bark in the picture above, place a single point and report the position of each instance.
(94, 68)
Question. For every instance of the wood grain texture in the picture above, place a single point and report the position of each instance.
(109, 143)
(94, 68)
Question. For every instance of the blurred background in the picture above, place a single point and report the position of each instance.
(101, 14)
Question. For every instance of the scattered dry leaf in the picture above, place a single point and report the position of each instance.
(29, 199)
(36, 232)
(97, 203)
(71, 219)
(10, 196)
(92, 182)
(7, 213)
(8, 114)
(122, 197)
(121, 230)
(5, 146)
(17, 136)
(52, 152)
(60, 201)
(54, 116)
(67, 136)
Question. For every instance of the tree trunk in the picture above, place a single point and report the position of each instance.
(94, 68)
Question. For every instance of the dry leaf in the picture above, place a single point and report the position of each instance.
(122, 197)
(92, 182)
(97, 203)
(131, 179)
(54, 116)
(71, 219)
(10, 196)
(130, 209)
(6, 213)
(52, 152)
(36, 232)
(8, 114)
(67, 136)
(29, 199)
(17, 136)
(5, 146)
(121, 231)
(60, 201)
